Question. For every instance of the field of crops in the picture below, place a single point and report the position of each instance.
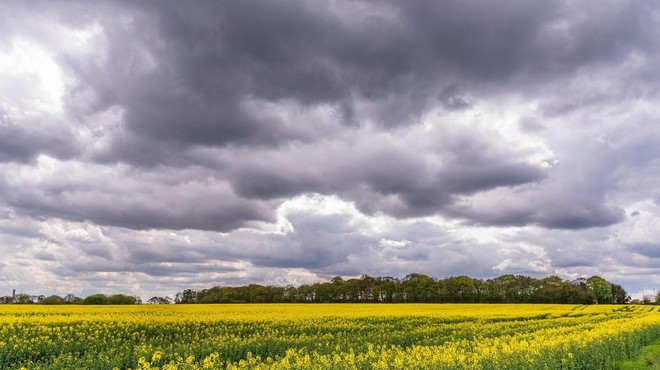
(311, 336)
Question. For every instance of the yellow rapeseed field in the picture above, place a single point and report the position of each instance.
(318, 336)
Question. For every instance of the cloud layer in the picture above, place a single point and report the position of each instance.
(148, 147)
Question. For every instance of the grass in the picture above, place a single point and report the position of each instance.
(648, 359)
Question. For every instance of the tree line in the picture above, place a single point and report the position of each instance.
(420, 288)
(414, 288)
(94, 299)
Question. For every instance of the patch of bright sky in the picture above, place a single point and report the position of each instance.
(89, 40)
(325, 205)
(638, 229)
(31, 81)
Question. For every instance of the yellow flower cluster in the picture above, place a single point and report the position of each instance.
(317, 336)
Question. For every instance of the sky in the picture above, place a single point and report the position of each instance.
(151, 146)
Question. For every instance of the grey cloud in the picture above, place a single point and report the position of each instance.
(647, 249)
(424, 198)
(164, 252)
(25, 139)
(317, 243)
(336, 244)
(132, 200)
(184, 75)
(545, 211)
(386, 175)
(45, 256)
(531, 124)
(581, 216)
(578, 190)
(471, 178)
(220, 214)
(22, 227)
(276, 180)
(187, 78)
(152, 269)
(452, 100)
(569, 258)
(495, 42)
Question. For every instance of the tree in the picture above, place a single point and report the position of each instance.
(257, 293)
(160, 300)
(490, 292)
(276, 294)
(551, 290)
(95, 299)
(461, 289)
(325, 292)
(417, 287)
(600, 289)
(577, 291)
(53, 299)
(504, 289)
(352, 290)
(619, 295)
(389, 289)
(72, 299)
(525, 287)
(188, 296)
(366, 286)
(121, 299)
(338, 284)
(290, 293)
(22, 298)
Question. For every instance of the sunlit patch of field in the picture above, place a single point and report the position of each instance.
(318, 336)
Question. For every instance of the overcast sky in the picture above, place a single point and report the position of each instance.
(152, 146)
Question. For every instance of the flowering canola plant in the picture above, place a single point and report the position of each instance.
(324, 336)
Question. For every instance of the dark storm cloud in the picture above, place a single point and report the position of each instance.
(217, 75)
(220, 214)
(275, 180)
(135, 200)
(553, 212)
(580, 217)
(387, 174)
(185, 75)
(24, 139)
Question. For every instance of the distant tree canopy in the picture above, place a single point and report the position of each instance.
(101, 299)
(420, 288)
(53, 299)
(23, 298)
(160, 300)
(414, 288)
